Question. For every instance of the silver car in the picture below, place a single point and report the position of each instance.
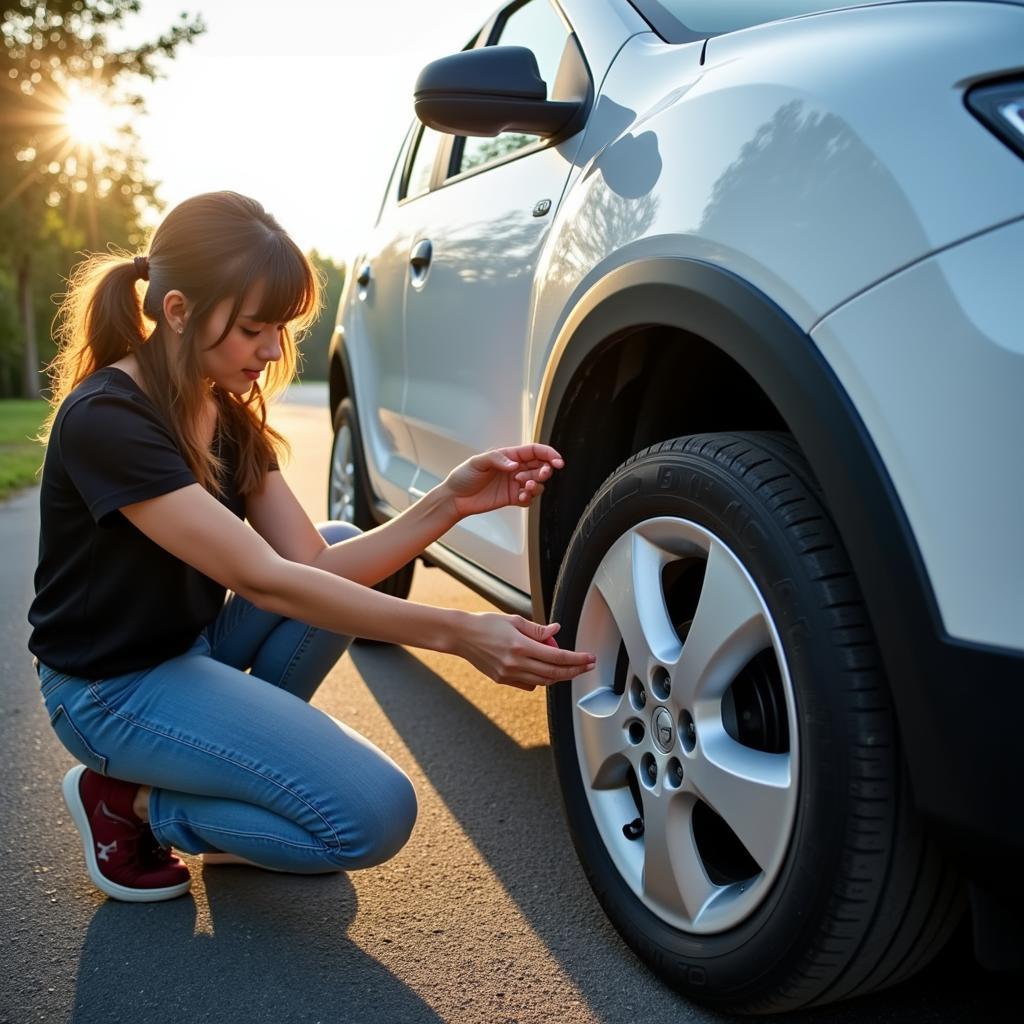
(754, 268)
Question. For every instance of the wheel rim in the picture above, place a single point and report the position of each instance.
(686, 731)
(342, 489)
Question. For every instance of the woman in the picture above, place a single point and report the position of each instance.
(190, 713)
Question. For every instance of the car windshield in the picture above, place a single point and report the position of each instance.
(713, 17)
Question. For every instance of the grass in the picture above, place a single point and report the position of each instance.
(20, 456)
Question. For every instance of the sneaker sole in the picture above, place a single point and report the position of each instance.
(73, 800)
(217, 859)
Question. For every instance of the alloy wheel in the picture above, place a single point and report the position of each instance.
(342, 486)
(686, 731)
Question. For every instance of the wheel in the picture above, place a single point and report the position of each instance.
(731, 770)
(347, 492)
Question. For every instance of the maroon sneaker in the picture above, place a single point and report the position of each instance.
(154, 855)
(121, 853)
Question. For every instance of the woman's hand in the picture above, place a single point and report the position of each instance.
(501, 477)
(516, 652)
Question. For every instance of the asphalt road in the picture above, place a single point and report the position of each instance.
(484, 916)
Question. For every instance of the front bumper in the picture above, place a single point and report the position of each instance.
(933, 361)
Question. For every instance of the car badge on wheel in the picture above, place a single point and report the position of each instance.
(663, 730)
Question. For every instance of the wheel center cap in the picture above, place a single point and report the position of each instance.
(664, 732)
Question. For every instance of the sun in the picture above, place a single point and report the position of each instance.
(88, 120)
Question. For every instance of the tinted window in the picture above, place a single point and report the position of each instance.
(712, 17)
(422, 165)
(536, 26)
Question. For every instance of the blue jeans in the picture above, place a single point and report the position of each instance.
(240, 761)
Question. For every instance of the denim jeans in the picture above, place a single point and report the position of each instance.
(240, 761)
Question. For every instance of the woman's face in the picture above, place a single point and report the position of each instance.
(241, 357)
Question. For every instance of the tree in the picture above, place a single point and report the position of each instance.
(57, 185)
(314, 346)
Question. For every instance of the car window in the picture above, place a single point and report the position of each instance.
(395, 178)
(417, 180)
(701, 18)
(537, 26)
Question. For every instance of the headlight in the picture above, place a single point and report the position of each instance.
(1001, 108)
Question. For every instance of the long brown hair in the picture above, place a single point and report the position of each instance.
(210, 247)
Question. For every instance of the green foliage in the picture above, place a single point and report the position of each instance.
(20, 455)
(478, 151)
(10, 356)
(59, 196)
(314, 346)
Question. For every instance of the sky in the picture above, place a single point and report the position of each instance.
(304, 113)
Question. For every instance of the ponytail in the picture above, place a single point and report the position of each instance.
(99, 322)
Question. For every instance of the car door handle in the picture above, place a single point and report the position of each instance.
(421, 254)
(364, 275)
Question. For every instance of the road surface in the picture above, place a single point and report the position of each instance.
(485, 916)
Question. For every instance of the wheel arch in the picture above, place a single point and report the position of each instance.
(339, 373)
(704, 308)
(692, 309)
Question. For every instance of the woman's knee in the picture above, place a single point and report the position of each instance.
(334, 531)
(380, 824)
(397, 821)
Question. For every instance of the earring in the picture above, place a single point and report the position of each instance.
(181, 330)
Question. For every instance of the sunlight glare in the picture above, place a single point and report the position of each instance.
(89, 121)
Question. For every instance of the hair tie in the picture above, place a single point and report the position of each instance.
(142, 267)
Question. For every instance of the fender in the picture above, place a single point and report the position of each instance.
(949, 694)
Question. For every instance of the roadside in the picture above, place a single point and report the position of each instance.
(20, 455)
(306, 392)
(20, 420)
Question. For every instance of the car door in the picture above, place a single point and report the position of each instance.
(468, 296)
(372, 324)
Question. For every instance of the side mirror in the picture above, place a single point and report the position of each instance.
(488, 91)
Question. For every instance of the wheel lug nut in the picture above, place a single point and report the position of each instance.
(661, 685)
(637, 694)
(648, 770)
(687, 731)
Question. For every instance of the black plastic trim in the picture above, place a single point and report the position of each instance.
(336, 353)
(983, 102)
(445, 173)
(668, 26)
(954, 699)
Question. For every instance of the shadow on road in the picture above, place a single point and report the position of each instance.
(263, 947)
(505, 798)
(507, 802)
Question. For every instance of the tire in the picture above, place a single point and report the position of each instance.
(741, 810)
(348, 491)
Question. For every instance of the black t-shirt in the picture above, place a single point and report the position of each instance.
(108, 599)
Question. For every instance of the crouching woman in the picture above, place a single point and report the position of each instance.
(186, 608)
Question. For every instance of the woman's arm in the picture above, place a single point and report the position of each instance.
(277, 516)
(491, 480)
(193, 526)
